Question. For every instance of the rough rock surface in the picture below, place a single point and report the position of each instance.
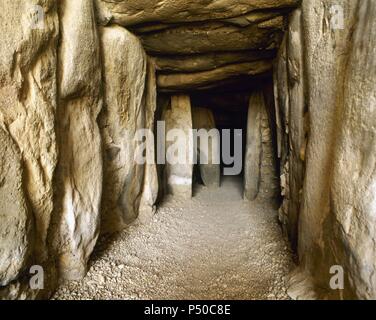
(259, 166)
(213, 246)
(202, 36)
(28, 102)
(209, 61)
(189, 81)
(214, 36)
(293, 114)
(15, 226)
(79, 174)
(255, 17)
(282, 128)
(354, 205)
(325, 62)
(135, 12)
(179, 147)
(208, 160)
(125, 67)
(337, 206)
(269, 182)
(253, 152)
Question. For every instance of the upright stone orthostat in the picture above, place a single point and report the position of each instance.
(208, 152)
(79, 183)
(151, 184)
(179, 147)
(253, 152)
(290, 103)
(125, 67)
(259, 166)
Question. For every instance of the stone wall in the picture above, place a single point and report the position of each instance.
(291, 118)
(327, 146)
(68, 94)
(260, 174)
(29, 147)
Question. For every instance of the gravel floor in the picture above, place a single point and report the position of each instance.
(216, 246)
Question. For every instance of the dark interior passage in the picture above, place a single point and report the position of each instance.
(238, 109)
(229, 110)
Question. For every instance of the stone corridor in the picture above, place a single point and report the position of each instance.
(290, 83)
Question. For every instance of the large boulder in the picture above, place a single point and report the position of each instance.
(214, 37)
(79, 175)
(179, 147)
(28, 101)
(239, 21)
(125, 68)
(259, 166)
(209, 61)
(196, 80)
(135, 12)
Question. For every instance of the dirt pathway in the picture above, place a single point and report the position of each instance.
(216, 246)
